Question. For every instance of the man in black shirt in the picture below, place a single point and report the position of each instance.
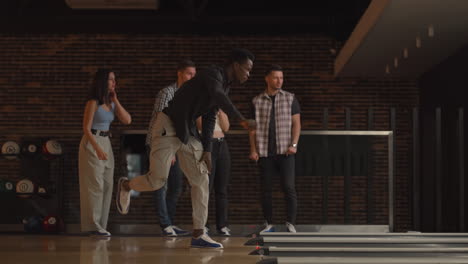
(175, 133)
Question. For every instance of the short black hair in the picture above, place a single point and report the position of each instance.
(240, 56)
(273, 67)
(185, 63)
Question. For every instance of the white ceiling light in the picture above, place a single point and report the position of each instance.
(405, 53)
(430, 31)
(418, 42)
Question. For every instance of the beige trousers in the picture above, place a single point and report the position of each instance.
(165, 145)
(96, 183)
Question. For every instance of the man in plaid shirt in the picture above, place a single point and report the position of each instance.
(274, 142)
(166, 197)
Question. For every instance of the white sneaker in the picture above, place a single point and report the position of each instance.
(105, 232)
(225, 231)
(269, 228)
(169, 231)
(290, 227)
(123, 197)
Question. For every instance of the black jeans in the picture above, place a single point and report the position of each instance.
(285, 167)
(219, 179)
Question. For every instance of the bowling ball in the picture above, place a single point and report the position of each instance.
(9, 187)
(51, 149)
(10, 150)
(52, 224)
(25, 188)
(29, 149)
(43, 191)
(6, 186)
(33, 224)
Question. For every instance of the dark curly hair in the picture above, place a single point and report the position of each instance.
(239, 56)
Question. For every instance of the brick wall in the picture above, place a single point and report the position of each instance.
(44, 80)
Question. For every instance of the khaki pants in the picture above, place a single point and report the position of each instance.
(165, 145)
(96, 183)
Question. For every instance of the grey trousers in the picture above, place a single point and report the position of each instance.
(96, 183)
(164, 146)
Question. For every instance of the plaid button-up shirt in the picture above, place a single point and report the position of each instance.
(163, 98)
(263, 104)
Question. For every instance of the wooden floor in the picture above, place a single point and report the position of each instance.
(15, 249)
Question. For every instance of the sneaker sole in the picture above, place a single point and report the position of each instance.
(119, 184)
(100, 236)
(207, 247)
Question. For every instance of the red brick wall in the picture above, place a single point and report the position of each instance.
(44, 80)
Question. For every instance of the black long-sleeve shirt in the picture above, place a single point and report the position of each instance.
(202, 96)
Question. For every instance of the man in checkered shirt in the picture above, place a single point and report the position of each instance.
(166, 197)
(274, 144)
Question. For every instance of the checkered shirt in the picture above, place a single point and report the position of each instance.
(163, 98)
(262, 104)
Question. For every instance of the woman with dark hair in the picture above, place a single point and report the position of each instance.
(96, 159)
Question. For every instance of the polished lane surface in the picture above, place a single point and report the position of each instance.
(37, 249)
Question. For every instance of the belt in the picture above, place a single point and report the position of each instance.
(101, 133)
(218, 139)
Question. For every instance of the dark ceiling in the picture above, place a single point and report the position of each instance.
(335, 18)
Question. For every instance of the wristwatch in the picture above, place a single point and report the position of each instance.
(294, 145)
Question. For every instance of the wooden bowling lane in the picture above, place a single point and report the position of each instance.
(37, 249)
